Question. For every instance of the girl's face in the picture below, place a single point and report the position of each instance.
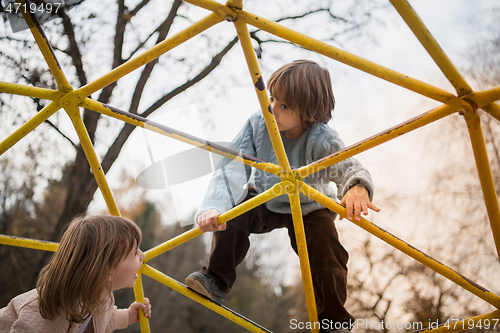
(287, 119)
(125, 273)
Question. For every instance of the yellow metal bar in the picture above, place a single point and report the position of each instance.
(19, 89)
(174, 242)
(238, 4)
(224, 12)
(148, 55)
(485, 97)
(100, 178)
(182, 289)
(139, 297)
(485, 175)
(493, 109)
(485, 100)
(431, 45)
(273, 192)
(349, 59)
(487, 321)
(404, 247)
(305, 267)
(260, 88)
(207, 4)
(29, 126)
(28, 243)
(46, 49)
(376, 140)
(178, 135)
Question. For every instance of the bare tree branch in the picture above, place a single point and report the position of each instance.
(141, 44)
(73, 50)
(319, 10)
(61, 133)
(253, 34)
(90, 118)
(39, 107)
(213, 64)
(163, 29)
(116, 147)
(12, 39)
(138, 8)
(121, 22)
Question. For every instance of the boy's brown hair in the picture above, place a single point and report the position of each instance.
(306, 87)
(77, 276)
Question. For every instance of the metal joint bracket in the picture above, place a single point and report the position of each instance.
(227, 13)
(290, 187)
(234, 5)
(287, 175)
(468, 106)
(232, 18)
(69, 100)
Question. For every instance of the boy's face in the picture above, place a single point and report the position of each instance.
(287, 119)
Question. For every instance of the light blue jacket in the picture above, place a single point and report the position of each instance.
(228, 184)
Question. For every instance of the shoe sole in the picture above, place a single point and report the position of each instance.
(197, 286)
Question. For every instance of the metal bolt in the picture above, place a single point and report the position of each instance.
(231, 18)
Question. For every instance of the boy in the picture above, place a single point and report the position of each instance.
(302, 101)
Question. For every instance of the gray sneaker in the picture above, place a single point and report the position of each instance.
(205, 285)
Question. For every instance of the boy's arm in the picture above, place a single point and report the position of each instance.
(354, 183)
(226, 186)
(207, 221)
(356, 200)
(347, 173)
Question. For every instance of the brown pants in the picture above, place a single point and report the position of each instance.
(328, 258)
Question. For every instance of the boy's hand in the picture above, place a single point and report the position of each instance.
(357, 200)
(133, 315)
(207, 221)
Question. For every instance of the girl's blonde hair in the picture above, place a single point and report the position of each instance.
(306, 87)
(77, 275)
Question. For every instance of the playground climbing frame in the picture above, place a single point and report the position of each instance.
(465, 101)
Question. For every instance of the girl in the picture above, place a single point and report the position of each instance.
(96, 256)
